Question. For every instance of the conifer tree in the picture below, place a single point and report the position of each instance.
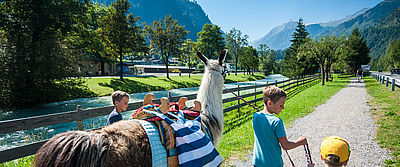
(295, 65)
(357, 51)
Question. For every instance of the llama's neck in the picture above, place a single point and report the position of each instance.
(210, 96)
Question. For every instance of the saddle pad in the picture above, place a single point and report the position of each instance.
(194, 148)
(158, 153)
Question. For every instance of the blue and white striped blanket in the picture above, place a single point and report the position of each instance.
(194, 148)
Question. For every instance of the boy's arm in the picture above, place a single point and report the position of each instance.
(287, 145)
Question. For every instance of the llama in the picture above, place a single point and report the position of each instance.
(210, 95)
(125, 143)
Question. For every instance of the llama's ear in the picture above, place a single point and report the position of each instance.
(202, 58)
(222, 55)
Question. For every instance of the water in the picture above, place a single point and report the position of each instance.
(28, 136)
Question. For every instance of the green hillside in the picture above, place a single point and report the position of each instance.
(188, 13)
(382, 33)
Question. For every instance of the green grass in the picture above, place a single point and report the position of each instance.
(385, 106)
(25, 161)
(105, 86)
(238, 134)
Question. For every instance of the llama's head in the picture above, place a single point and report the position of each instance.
(214, 65)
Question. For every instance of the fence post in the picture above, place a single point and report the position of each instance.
(255, 93)
(297, 83)
(276, 83)
(383, 79)
(169, 96)
(387, 81)
(393, 84)
(238, 97)
(79, 122)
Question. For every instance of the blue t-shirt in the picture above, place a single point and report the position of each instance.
(114, 117)
(267, 129)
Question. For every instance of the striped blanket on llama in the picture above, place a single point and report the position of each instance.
(194, 148)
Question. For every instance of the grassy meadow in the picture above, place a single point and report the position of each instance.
(105, 86)
(385, 106)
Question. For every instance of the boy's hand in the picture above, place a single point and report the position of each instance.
(302, 140)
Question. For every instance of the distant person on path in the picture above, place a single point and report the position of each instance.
(269, 131)
(335, 151)
(120, 100)
(359, 74)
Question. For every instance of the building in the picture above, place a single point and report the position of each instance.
(141, 69)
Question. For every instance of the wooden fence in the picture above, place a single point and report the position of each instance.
(10, 126)
(386, 79)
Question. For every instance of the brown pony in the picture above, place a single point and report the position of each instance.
(125, 143)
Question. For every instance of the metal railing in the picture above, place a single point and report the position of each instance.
(386, 79)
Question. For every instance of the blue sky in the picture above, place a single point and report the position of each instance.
(257, 17)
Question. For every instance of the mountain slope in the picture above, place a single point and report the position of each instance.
(361, 19)
(382, 33)
(188, 13)
(280, 36)
(368, 18)
(335, 23)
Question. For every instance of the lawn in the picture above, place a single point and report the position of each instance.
(105, 86)
(385, 106)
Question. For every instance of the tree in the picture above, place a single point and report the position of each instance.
(36, 58)
(357, 51)
(295, 65)
(234, 42)
(324, 51)
(120, 32)
(88, 38)
(166, 37)
(188, 53)
(249, 59)
(210, 41)
(268, 64)
(393, 55)
(315, 49)
(333, 45)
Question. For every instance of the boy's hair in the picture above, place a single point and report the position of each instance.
(273, 93)
(333, 161)
(118, 95)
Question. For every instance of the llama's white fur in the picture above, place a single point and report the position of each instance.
(210, 96)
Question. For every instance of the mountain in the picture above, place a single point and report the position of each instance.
(187, 12)
(279, 37)
(368, 18)
(335, 23)
(361, 19)
(382, 33)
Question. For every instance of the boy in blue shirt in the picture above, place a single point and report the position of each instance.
(120, 100)
(269, 131)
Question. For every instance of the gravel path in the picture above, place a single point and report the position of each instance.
(345, 115)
